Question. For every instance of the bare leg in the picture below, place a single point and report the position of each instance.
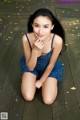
(28, 88)
(49, 90)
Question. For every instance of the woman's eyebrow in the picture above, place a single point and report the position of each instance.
(46, 24)
(39, 24)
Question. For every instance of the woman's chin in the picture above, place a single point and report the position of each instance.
(41, 38)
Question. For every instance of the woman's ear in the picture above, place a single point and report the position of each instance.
(52, 27)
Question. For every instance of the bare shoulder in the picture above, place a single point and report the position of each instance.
(57, 41)
(30, 36)
(24, 39)
(24, 36)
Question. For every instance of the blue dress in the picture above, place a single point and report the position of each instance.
(42, 62)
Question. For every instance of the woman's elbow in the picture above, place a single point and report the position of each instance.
(30, 67)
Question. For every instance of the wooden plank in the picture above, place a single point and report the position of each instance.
(66, 105)
(31, 110)
(44, 111)
(71, 100)
(9, 51)
(4, 21)
(59, 109)
(14, 99)
(16, 108)
(17, 104)
(5, 97)
(4, 37)
(36, 109)
(5, 64)
(20, 7)
(71, 96)
(75, 72)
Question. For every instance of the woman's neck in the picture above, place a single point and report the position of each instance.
(46, 40)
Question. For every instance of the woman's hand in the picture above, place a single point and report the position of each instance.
(38, 84)
(38, 46)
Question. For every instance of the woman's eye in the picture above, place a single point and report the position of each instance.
(36, 25)
(45, 26)
(39, 26)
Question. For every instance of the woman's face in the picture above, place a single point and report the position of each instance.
(42, 27)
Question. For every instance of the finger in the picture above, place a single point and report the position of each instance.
(41, 43)
(41, 46)
(37, 40)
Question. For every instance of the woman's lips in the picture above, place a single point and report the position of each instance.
(40, 35)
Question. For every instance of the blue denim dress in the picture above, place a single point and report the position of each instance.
(42, 62)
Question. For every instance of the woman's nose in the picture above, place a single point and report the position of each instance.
(41, 31)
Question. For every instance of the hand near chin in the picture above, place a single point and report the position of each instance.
(38, 45)
(38, 84)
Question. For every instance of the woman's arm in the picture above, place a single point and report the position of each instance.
(31, 55)
(56, 51)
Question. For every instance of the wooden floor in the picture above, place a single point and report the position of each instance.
(13, 24)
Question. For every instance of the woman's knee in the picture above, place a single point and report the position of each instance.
(28, 96)
(49, 91)
(28, 86)
(48, 100)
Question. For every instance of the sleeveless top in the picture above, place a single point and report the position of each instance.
(42, 63)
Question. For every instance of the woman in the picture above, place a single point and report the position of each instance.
(42, 46)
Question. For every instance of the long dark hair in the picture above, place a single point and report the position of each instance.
(58, 29)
